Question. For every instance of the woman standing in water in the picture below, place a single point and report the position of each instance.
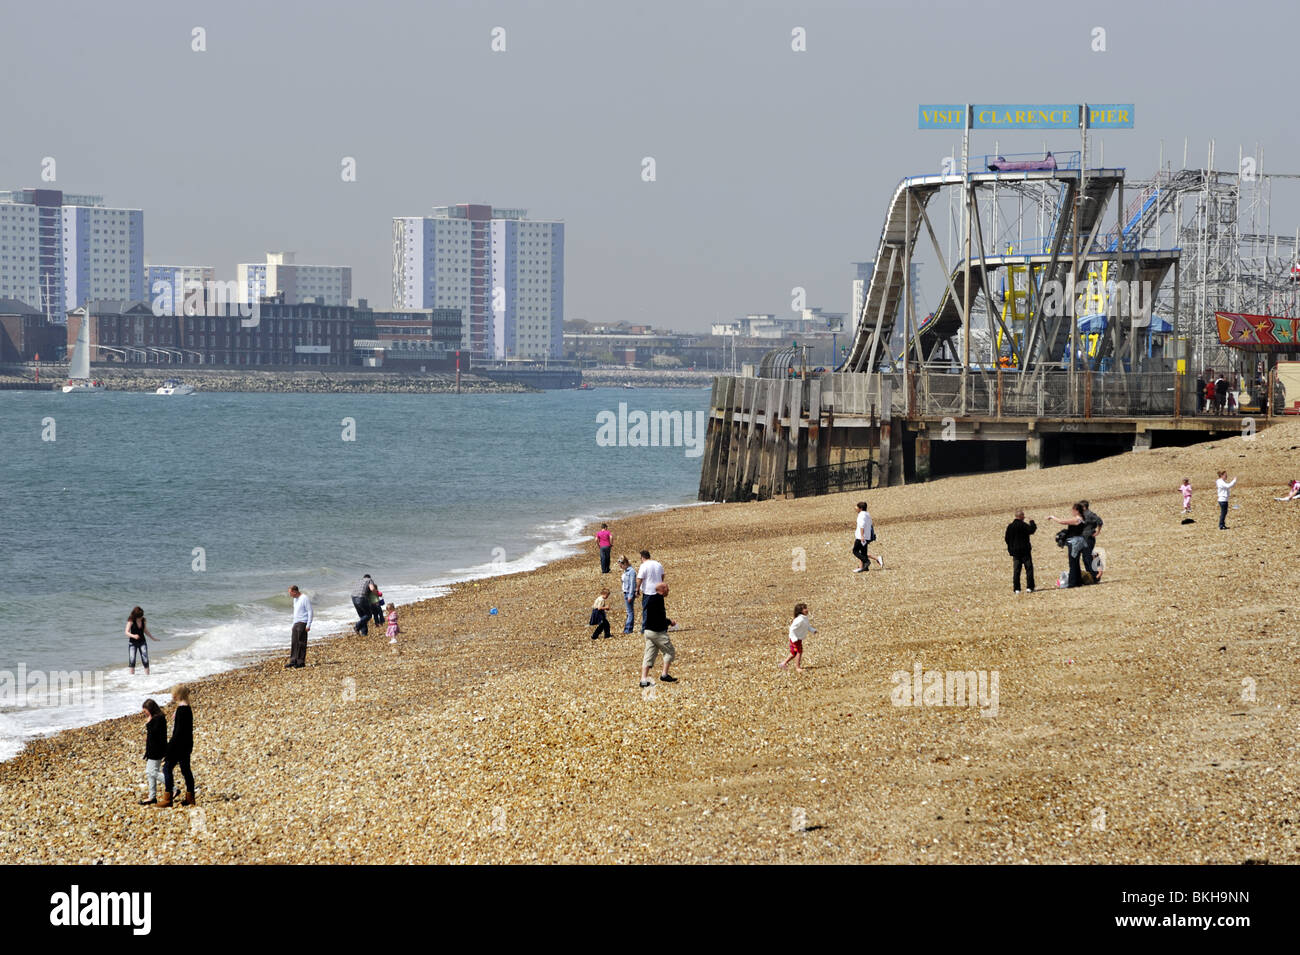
(136, 644)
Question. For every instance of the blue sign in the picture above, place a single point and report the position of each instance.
(943, 116)
(1024, 116)
(1110, 115)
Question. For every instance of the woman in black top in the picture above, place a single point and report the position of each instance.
(136, 631)
(155, 747)
(179, 748)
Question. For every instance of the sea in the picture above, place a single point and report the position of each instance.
(203, 509)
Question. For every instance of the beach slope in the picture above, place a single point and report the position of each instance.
(1149, 719)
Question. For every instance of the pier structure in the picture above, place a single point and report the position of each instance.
(1073, 322)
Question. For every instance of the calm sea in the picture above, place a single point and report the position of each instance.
(204, 509)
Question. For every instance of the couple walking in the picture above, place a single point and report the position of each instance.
(162, 756)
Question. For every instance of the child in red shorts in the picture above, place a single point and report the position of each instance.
(800, 627)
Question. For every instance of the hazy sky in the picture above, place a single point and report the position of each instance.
(773, 167)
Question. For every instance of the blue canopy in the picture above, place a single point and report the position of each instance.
(1095, 324)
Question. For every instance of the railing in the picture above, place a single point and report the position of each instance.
(1096, 394)
(1070, 159)
(938, 392)
(829, 478)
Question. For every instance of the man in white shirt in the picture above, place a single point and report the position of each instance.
(302, 621)
(1223, 486)
(866, 533)
(648, 576)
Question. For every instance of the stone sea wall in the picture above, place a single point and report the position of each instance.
(647, 378)
(314, 381)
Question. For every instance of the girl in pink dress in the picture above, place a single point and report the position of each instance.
(1186, 489)
(393, 628)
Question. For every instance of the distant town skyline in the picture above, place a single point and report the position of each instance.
(774, 133)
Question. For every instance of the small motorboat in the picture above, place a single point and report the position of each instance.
(78, 385)
(174, 386)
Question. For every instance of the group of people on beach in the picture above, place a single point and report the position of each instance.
(367, 600)
(1215, 395)
(1086, 564)
(1222, 491)
(1078, 535)
(647, 582)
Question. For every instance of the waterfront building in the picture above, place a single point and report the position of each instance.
(168, 286)
(502, 269)
(20, 272)
(84, 249)
(274, 334)
(407, 339)
(282, 276)
(25, 333)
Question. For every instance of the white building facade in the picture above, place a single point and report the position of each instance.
(20, 255)
(504, 270)
(298, 283)
(103, 254)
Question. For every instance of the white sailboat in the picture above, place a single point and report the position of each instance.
(79, 368)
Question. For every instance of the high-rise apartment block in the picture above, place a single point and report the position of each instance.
(504, 270)
(82, 249)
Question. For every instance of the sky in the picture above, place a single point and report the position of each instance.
(773, 167)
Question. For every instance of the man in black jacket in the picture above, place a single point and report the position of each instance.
(1021, 550)
(656, 623)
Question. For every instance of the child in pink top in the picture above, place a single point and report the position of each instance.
(391, 619)
(1186, 488)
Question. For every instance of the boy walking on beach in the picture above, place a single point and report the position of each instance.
(600, 614)
(1021, 549)
(629, 592)
(655, 624)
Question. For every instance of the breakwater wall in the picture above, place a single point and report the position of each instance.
(248, 380)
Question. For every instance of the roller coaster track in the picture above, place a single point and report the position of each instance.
(903, 223)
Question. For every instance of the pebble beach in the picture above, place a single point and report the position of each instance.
(1150, 719)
